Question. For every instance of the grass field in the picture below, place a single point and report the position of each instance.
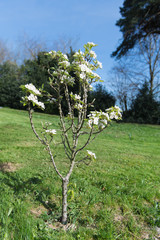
(116, 197)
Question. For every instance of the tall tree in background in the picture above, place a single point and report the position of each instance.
(124, 84)
(142, 64)
(140, 18)
(10, 94)
(145, 109)
(5, 53)
(149, 54)
(103, 99)
(30, 47)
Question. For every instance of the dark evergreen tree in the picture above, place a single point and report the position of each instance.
(103, 99)
(10, 94)
(144, 109)
(139, 19)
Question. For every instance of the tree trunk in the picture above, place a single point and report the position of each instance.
(64, 201)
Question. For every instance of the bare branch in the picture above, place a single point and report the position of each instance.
(33, 128)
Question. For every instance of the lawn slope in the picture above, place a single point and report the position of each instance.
(116, 197)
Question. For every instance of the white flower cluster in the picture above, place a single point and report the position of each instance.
(90, 88)
(114, 112)
(32, 88)
(93, 54)
(65, 56)
(91, 44)
(51, 131)
(79, 54)
(100, 119)
(75, 96)
(35, 101)
(78, 106)
(77, 99)
(99, 64)
(84, 68)
(61, 74)
(33, 95)
(91, 155)
(64, 64)
(52, 52)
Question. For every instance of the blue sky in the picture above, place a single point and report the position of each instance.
(49, 20)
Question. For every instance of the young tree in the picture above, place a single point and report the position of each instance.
(72, 128)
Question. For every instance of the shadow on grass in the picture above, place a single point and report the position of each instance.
(33, 187)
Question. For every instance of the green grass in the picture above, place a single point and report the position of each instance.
(116, 197)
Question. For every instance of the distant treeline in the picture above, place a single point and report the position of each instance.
(35, 71)
(144, 108)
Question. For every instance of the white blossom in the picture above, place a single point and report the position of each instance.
(78, 106)
(78, 54)
(101, 126)
(90, 88)
(99, 64)
(77, 97)
(91, 154)
(52, 52)
(105, 116)
(51, 131)
(65, 56)
(64, 63)
(104, 121)
(93, 54)
(96, 75)
(40, 104)
(91, 44)
(84, 68)
(96, 120)
(114, 112)
(100, 119)
(34, 100)
(32, 88)
(82, 75)
(89, 123)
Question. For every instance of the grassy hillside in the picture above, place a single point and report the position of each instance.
(116, 197)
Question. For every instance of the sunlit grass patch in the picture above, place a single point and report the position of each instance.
(116, 197)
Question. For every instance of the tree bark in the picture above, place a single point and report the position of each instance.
(64, 200)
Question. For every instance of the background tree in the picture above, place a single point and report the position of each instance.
(124, 84)
(103, 99)
(30, 47)
(140, 65)
(149, 57)
(144, 109)
(140, 18)
(5, 53)
(64, 44)
(10, 82)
